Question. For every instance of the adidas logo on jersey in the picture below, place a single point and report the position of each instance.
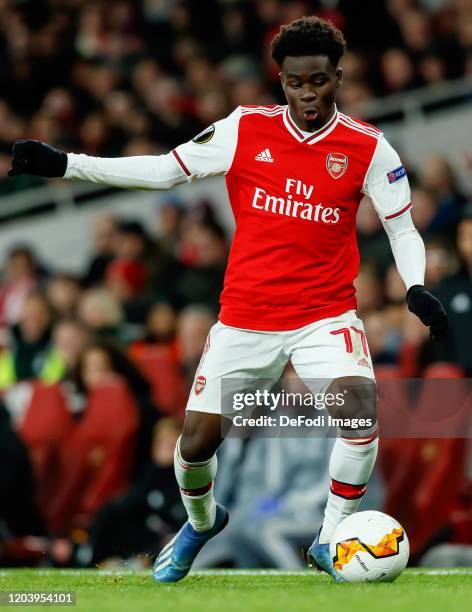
(264, 156)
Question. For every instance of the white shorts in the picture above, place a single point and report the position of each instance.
(324, 350)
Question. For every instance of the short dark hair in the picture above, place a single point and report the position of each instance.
(309, 36)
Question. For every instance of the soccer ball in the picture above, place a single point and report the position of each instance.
(369, 546)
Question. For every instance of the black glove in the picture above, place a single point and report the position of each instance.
(34, 157)
(429, 309)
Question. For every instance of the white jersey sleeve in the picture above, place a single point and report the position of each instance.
(387, 186)
(212, 151)
(386, 182)
(407, 248)
(159, 172)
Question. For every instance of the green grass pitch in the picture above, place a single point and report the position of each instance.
(228, 591)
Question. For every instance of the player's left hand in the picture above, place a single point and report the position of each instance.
(429, 309)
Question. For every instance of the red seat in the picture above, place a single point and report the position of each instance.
(387, 371)
(423, 487)
(46, 424)
(443, 369)
(47, 416)
(409, 358)
(97, 457)
(160, 366)
(393, 406)
(426, 475)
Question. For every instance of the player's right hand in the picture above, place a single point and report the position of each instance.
(38, 158)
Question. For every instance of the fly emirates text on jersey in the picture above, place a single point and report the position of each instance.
(295, 208)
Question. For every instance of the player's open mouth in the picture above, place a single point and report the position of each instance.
(310, 114)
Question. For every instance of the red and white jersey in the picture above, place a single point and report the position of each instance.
(294, 197)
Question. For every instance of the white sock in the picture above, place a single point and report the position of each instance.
(350, 467)
(196, 488)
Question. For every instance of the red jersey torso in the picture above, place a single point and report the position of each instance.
(294, 197)
(294, 255)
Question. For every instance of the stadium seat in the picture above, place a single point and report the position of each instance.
(424, 488)
(387, 371)
(426, 474)
(97, 457)
(47, 423)
(393, 407)
(409, 359)
(160, 366)
(443, 369)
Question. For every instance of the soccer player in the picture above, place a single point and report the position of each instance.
(295, 175)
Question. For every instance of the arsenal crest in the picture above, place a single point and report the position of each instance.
(336, 164)
(200, 383)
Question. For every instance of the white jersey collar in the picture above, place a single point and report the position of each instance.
(309, 137)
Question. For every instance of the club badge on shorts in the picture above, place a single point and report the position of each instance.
(200, 383)
(336, 164)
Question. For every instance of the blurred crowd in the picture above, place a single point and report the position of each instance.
(138, 316)
(122, 78)
(114, 349)
(137, 288)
